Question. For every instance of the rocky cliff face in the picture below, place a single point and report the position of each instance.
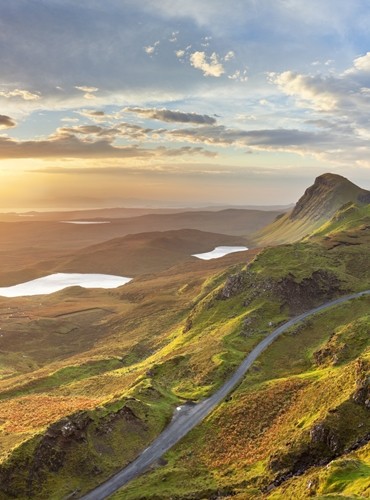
(328, 193)
(318, 205)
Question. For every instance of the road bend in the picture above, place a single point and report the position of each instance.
(189, 415)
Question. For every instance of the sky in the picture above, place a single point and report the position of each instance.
(173, 103)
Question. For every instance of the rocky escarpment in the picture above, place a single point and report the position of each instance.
(328, 193)
(362, 393)
(344, 429)
(297, 296)
(72, 443)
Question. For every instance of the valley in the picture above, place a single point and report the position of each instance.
(184, 250)
(89, 377)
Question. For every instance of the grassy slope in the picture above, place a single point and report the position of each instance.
(284, 230)
(270, 415)
(120, 357)
(178, 335)
(300, 404)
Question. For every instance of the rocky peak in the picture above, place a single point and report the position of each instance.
(328, 193)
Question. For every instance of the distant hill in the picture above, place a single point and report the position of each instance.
(126, 212)
(318, 204)
(26, 243)
(30, 248)
(59, 236)
(138, 254)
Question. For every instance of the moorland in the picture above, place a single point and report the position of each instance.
(89, 377)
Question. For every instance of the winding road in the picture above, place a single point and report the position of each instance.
(188, 416)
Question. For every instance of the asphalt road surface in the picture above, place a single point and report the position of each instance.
(189, 415)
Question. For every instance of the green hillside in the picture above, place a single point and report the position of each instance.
(299, 424)
(89, 378)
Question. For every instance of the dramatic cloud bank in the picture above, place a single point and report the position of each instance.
(156, 93)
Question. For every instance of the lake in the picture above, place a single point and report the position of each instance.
(59, 281)
(219, 252)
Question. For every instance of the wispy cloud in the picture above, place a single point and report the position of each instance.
(280, 139)
(239, 75)
(173, 37)
(26, 95)
(173, 79)
(89, 92)
(170, 116)
(229, 56)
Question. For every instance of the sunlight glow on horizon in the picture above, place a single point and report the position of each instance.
(191, 118)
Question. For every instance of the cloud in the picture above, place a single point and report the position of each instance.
(320, 91)
(95, 116)
(212, 67)
(239, 75)
(89, 91)
(218, 16)
(64, 144)
(121, 129)
(339, 107)
(344, 96)
(105, 48)
(82, 129)
(279, 139)
(26, 95)
(186, 150)
(230, 55)
(162, 168)
(6, 122)
(167, 115)
(150, 49)
(362, 63)
(85, 88)
(68, 119)
(180, 53)
(173, 37)
(125, 130)
(99, 116)
(88, 112)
